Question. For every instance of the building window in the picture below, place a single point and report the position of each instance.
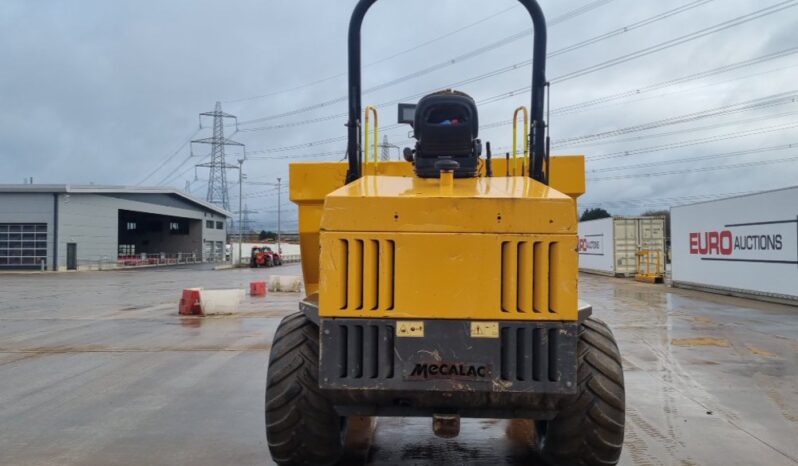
(220, 225)
(178, 227)
(127, 249)
(130, 226)
(209, 224)
(23, 245)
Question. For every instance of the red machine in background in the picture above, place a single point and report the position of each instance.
(263, 256)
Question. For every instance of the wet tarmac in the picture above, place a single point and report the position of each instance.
(98, 369)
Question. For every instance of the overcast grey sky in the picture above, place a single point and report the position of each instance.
(108, 92)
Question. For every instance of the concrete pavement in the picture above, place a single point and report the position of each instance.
(97, 368)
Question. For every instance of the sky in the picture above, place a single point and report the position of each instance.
(671, 101)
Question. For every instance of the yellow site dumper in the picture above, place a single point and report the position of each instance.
(444, 286)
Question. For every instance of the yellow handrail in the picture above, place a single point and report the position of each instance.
(373, 110)
(515, 137)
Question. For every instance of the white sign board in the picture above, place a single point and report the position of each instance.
(596, 245)
(747, 243)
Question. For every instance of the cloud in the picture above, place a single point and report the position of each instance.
(104, 92)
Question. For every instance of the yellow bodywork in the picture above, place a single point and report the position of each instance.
(391, 245)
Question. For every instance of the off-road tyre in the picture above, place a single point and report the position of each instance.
(589, 428)
(302, 428)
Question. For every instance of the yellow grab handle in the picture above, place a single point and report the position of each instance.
(515, 137)
(373, 110)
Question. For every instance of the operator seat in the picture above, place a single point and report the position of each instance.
(446, 127)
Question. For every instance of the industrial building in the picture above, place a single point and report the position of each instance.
(68, 227)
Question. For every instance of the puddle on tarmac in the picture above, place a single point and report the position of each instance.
(701, 341)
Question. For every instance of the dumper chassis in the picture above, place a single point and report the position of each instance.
(436, 289)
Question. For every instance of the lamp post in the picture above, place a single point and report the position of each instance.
(279, 205)
(279, 208)
(240, 208)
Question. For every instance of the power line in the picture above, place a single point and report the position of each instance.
(757, 163)
(761, 13)
(560, 110)
(772, 100)
(723, 155)
(578, 73)
(643, 52)
(673, 201)
(525, 33)
(169, 157)
(672, 82)
(691, 129)
(693, 142)
(384, 59)
(762, 102)
(444, 64)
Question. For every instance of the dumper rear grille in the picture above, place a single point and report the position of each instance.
(367, 274)
(458, 276)
(532, 354)
(529, 275)
(525, 357)
(363, 351)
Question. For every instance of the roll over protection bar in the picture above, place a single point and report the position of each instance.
(537, 130)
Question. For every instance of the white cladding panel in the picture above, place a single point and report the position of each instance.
(747, 244)
(596, 245)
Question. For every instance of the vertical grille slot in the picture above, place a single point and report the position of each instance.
(364, 351)
(355, 269)
(529, 276)
(388, 351)
(386, 273)
(541, 277)
(371, 351)
(529, 354)
(524, 282)
(540, 350)
(509, 279)
(343, 273)
(367, 274)
(554, 277)
(508, 364)
(523, 348)
(553, 336)
(371, 276)
(343, 344)
(354, 352)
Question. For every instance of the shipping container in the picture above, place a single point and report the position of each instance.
(745, 245)
(609, 246)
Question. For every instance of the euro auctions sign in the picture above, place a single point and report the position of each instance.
(748, 243)
(591, 244)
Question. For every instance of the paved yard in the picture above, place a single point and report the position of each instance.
(98, 369)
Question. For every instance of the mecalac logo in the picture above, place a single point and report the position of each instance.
(449, 370)
(764, 242)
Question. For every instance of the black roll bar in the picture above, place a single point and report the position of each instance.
(537, 130)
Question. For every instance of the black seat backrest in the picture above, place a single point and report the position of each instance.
(446, 126)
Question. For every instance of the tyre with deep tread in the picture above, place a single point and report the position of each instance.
(302, 427)
(589, 428)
